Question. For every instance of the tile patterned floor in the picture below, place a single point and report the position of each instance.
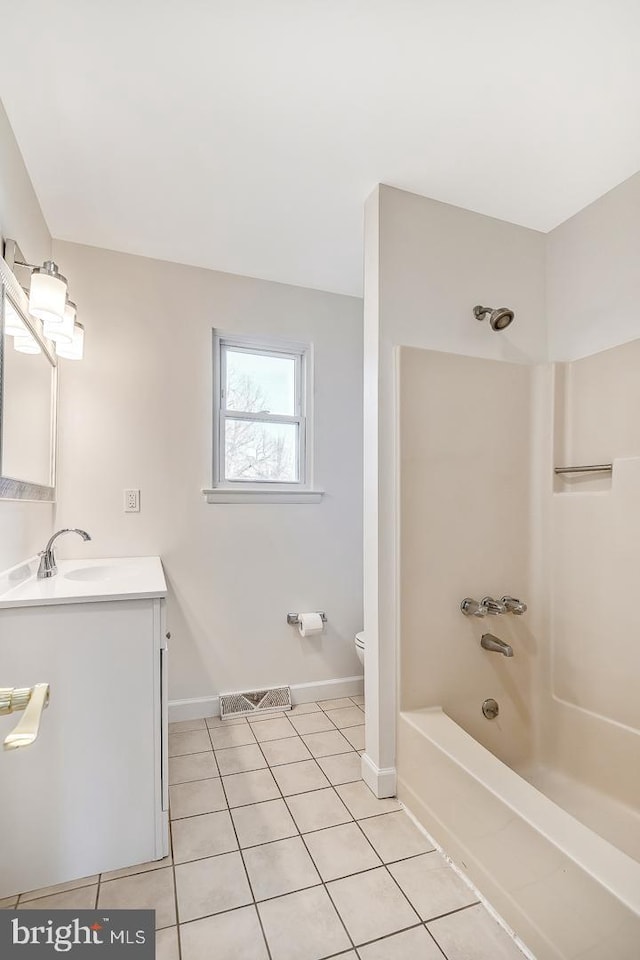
(280, 852)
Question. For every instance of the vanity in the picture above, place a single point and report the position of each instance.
(90, 794)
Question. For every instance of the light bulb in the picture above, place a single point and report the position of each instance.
(75, 349)
(48, 293)
(62, 332)
(26, 344)
(13, 325)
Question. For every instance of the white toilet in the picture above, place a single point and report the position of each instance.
(359, 641)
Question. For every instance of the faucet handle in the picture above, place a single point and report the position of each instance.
(492, 606)
(513, 605)
(472, 608)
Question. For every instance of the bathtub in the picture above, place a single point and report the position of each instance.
(568, 893)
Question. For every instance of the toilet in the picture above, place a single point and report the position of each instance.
(359, 641)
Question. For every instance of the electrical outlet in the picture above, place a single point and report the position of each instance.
(132, 501)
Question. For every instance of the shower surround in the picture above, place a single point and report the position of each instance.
(539, 806)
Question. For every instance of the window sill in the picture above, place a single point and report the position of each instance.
(226, 495)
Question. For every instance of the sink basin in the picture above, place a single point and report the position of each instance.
(94, 574)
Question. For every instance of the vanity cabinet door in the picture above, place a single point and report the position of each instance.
(86, 797)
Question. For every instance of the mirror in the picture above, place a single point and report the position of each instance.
(27, 399)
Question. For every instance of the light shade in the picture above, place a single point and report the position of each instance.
(75, 349)
(26, 344)
(62, 332)
(48, 293)
(13, 325)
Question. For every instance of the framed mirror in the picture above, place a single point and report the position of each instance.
(28, 395)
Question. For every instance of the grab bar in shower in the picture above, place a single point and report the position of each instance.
(592, 468)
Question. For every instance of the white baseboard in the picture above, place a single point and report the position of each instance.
(300, 693)
(382, 782)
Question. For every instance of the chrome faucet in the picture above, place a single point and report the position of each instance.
(48, 567)
(514, 605)
(480, 608)
(489, 642)
(493, 606)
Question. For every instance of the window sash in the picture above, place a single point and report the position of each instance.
(222, 413)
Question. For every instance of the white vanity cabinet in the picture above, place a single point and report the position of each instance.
(90, 794)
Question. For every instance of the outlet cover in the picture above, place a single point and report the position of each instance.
(132, 501)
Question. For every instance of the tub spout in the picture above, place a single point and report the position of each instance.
(489, 642)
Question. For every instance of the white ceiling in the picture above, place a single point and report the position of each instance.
(245, 135)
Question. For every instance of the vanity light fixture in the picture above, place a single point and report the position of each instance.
(75, 349)
(26, 344)
(48, 302)
(47, 293)
(13, 325)
(62, 332)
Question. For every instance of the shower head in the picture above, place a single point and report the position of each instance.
(500, 318)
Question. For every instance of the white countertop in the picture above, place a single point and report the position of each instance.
(83, 581)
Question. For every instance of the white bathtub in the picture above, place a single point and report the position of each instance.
(565, 891)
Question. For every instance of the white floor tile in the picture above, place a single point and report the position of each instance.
(193, 766)
(314, 811)
(197, 796)
(146, 891)
(252, 787)
(167, 944)
(211, 886)
(303, 926)
(240, 759)
(395, 837)
(59, 888)
(280, 867)
(137, 868)
(228, 722)
(312, 723)
(362, 802)
(237, 735)
(82, 898)
(227, 936)
(327, 744)
(336, 704)
(347, 717)
(186, 726)
(356, 736)
(473, 934)
(431, 885)
(263, 822)
(414, 944)
(194, 741)
(278, 729)
(340, 851)
(204, 836)
(298, 709)
(300, 777)
(342, 768)
(371, 905)
(278, 752)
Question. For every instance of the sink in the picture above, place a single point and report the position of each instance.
(94, 574)
(82, 581)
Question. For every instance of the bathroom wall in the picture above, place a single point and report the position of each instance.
(593, 660)
(465, 508)
(593, 284)
(24, 527)
(137, 413)
(593, 725)
(426, 265)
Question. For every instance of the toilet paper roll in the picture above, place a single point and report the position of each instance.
(310, 624)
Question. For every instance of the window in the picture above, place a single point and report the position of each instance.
(261, 431)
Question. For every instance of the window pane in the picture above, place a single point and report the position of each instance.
(258, 383)
(261, 451)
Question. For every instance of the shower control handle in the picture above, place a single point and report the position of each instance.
(472, 608)
(513, 605)
(494, 607)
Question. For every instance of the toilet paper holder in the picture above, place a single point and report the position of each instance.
(293, 618)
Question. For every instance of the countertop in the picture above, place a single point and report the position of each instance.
(83, 581)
